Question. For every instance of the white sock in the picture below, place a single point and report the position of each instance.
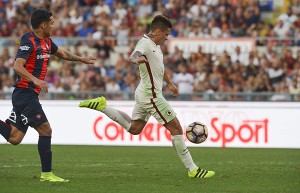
(118, 116)
(183, 152)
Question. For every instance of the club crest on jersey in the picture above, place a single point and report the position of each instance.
(169, 113)
(24, 48)
(38, 116)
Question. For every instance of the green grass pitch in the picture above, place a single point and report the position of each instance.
(150, 170)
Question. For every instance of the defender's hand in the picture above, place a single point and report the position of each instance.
(41, 84)
(88, 60)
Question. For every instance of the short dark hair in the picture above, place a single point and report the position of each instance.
(38, 16)
(160, 22)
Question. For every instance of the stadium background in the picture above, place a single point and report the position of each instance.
(109, 30)
(251, 96)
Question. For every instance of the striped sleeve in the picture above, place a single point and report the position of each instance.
(54, 47)
(25, 48)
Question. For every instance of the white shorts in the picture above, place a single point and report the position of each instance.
(158, 107)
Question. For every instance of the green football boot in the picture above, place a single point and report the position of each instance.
(50, 177)
(97, 103)
(201, 173)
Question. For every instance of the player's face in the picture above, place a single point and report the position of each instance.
(49, 26)
(163, 36)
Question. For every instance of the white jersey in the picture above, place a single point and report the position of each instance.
(148, 95)
(152, 73)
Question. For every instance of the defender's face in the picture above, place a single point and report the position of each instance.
(48, 27)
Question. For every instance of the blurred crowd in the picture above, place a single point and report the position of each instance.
(107, 24)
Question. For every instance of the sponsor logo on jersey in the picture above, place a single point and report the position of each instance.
(24, 48)
(42, 56)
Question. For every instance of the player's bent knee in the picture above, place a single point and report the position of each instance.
(15, 140)
(16, 136)
(174, 127)
(178, 131)
(134, 131)
(44, 129)
(46, 132)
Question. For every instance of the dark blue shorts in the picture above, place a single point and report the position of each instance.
(27, 110)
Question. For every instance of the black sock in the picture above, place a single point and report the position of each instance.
(44, 147)
(5, 130)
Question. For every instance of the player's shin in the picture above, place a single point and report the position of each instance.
(120, 117)
(183, 152)
(44, 147)
(5, 130)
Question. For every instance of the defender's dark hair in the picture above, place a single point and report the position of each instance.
(38, 16)
(160, 22)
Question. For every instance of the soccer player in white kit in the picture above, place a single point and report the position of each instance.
(148, 95)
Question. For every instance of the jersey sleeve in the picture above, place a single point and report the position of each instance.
(25, 48)
(142, 47)
(54, 47)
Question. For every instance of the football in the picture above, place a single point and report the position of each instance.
(196, 132)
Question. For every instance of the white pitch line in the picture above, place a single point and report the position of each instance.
(81, 165)
(17, 166)
(77, 165)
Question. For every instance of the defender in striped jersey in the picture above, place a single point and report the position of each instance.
(148, 95)
(31, 63)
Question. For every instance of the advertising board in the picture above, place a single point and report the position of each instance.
(230, 124)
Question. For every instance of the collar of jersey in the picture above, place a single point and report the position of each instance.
(36, 36)
(145, 36)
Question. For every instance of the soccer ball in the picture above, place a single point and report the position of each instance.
(196, 132)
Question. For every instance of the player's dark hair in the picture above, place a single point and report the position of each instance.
(160, 22)
(38, 16)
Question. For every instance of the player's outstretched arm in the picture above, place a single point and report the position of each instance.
(65, 54)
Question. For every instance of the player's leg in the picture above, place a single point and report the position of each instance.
(99, 104)
(15, 126)
(137, 127)
(165, 115)
(34, 116)
(140, 117)
(44, 146)
(16, 135)
(178, 143)
(11, 133)
(5, 130)
(132, 126)
(17, 129)
(45, 152)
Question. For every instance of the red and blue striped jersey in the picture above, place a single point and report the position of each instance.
(37, 53)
